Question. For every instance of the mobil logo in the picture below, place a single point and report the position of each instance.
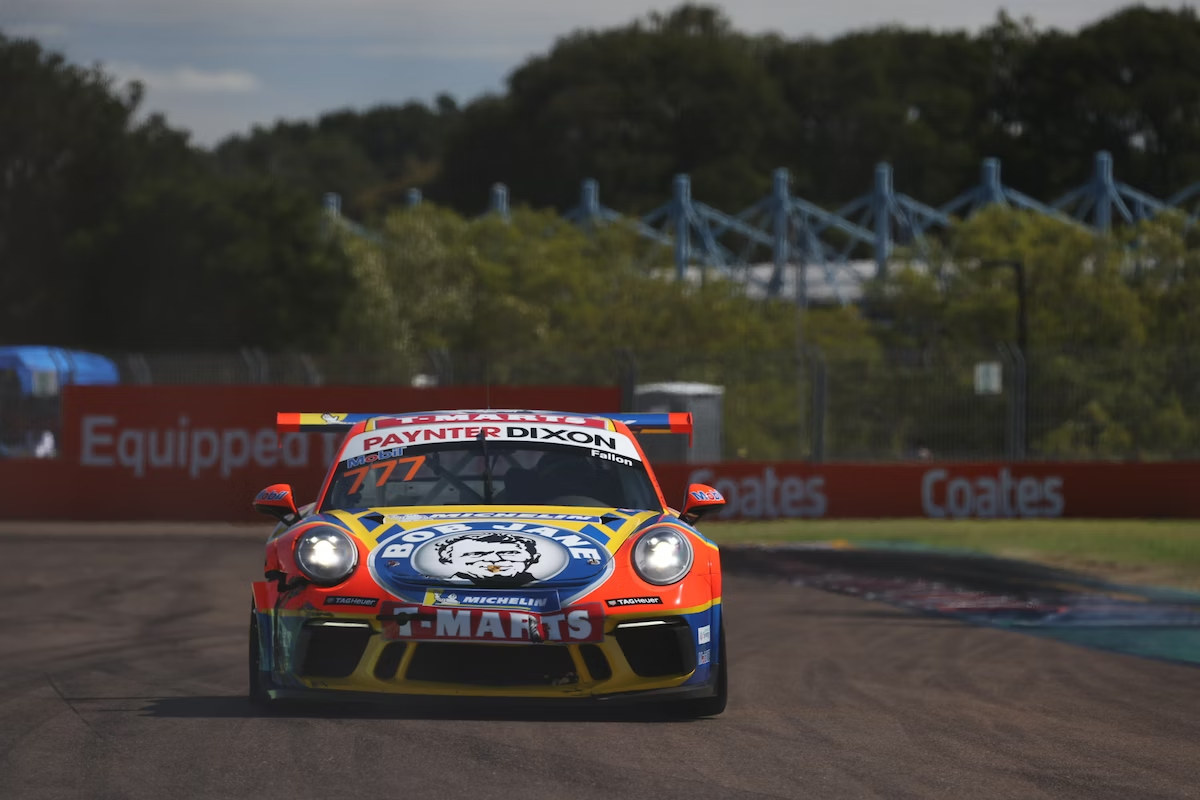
(990, 496)
(487, 555)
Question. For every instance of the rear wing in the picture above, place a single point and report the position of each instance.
(675, 422)
(329, 423)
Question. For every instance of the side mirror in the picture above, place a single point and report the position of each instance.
(700, 500)
(277, 501)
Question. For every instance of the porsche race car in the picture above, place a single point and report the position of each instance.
(490, 554)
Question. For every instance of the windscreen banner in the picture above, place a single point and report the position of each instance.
(204, 452)
(1032, 490)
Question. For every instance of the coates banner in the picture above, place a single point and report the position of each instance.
(203, 452)
(786, 490)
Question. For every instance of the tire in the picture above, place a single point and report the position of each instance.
(259, 680)
(712, 706)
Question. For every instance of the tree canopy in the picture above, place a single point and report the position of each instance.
(116, 233)
(684, 91)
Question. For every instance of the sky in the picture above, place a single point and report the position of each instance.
(218, 67)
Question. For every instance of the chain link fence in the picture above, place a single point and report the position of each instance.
(965, 404)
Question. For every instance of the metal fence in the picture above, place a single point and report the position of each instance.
(966, 404)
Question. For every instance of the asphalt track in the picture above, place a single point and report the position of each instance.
(122, 675)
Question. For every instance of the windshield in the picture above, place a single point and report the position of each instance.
(527, 474)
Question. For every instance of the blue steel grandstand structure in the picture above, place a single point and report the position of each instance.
(757, 245)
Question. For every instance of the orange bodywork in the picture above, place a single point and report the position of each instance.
(289, 608)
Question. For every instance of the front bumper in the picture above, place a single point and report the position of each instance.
(697, 691)
(640, 658)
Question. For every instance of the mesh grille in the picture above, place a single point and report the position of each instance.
(655, 651)
(333, 652)
(492, 665)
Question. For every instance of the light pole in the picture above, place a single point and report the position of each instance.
(1018, 266)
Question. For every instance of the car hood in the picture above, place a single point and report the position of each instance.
(426, 554)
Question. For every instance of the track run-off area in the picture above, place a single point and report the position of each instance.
(123, 666)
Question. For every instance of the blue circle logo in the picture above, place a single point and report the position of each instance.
(486, 554)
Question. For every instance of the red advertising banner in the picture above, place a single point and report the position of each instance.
(203, 452)
(943, 491)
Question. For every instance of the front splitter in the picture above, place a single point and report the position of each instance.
(698, 691)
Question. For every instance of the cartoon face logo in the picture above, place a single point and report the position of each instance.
(490, 557)
(494, 558)
(447, 599)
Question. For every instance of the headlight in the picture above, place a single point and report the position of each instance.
(662, 556)
(326, 555)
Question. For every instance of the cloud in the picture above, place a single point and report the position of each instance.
(34, 30)
(187, 80)
(435, 51)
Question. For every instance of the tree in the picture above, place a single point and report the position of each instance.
(370, 158)
(912, 98)
(208, 263)
(1111, 361)
(65, 153)
(631, 107)
(1129, 84)
(116, 233)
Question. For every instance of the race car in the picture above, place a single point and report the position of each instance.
(518, 554)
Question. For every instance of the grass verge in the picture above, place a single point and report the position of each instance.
(1159, 552)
